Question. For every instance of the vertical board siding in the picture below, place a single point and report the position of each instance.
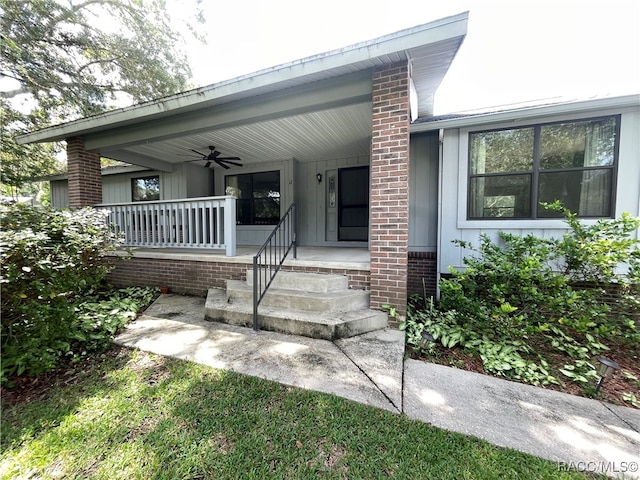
(423, 192)
(59, 193)
(311, 201)
(199, 181)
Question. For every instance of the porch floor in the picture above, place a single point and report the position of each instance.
(351, 258)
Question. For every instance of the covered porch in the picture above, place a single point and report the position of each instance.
(330, 133)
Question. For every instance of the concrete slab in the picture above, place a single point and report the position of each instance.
(174, 326)
(553, 425)
(380, 356)
(577, 432)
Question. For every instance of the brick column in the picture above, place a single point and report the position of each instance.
(389, 204)
(85, 180)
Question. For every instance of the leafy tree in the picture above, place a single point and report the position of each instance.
(22, 163)
(65, 59)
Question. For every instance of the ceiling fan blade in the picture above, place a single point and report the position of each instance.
(203, 155)
(228, 158)
(230, 163)
(222, 164)
(207, 165)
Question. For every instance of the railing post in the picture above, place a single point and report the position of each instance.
(230, 226)
(293, 233)
(255, 294)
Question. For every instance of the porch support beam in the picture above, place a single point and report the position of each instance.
(389, 204)
(139, 159)
(85, 179)
(336, 92)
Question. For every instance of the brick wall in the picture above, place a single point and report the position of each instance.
(195, 278)
(389, 207)
(422, 267)
(85, 180)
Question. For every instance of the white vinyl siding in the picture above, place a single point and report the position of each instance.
(453, 195)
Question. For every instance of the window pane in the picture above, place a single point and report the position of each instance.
(587, 192)
(145, 189)
(578, 144)
(243, 211)
(502, 151)
(504, 196)
(266, 185)
(266, 211)
(258, 197)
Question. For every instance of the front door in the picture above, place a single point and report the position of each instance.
(353, 204)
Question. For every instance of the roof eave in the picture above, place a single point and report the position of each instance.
(626, 101)
(398, 42)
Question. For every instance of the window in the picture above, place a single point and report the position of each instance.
(258, 197)
(512, 171)
(145, 189)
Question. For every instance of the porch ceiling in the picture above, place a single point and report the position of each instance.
(341, 131)
(313, 108)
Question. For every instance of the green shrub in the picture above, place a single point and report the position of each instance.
(519, 293)
(52, 262)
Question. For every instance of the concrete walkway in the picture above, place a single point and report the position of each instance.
(577, 432)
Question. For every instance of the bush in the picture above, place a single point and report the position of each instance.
(52, 261)
(567, 295)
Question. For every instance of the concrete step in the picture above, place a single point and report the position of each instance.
(219, 307)
(338, 301)
(306, 282)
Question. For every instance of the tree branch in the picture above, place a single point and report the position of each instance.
(14, 92)
(103, 60)
(67, 13)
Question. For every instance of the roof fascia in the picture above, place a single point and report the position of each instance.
(530, 112)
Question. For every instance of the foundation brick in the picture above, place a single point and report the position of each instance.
(422, 274)
(191, 277)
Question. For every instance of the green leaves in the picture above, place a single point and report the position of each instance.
(65, 60)
(53, 262)
(570, 295)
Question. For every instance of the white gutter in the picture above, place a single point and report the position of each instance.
(395, 43)
(627, 101)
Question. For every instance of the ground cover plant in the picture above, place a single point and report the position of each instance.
(130, 414)
(55, 304)
(542, 311)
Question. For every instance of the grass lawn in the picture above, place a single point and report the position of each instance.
(130, 415)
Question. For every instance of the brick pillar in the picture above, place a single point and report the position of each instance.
(389, 204)
(85, 180)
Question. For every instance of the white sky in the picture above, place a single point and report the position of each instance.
(515, 51)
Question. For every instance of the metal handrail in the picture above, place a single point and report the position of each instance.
(277, 246)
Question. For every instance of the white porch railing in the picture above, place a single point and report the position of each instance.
(207, 222)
